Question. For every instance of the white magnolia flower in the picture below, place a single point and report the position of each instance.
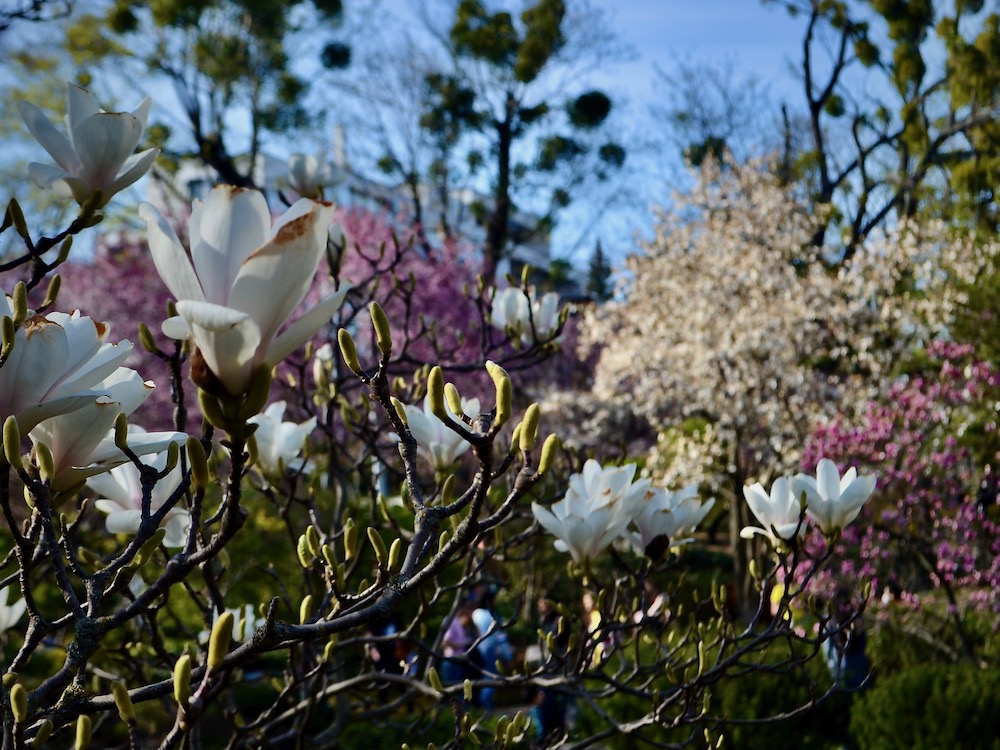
(596, 510)
(668, 516)
(307, 175)
(440, 443)
(98, 155)
(10, 614)
(82, 442)
(56, 366)
(242, 280)
(833, 501)
(279, 443)
(120, 492)
(517, 312)
(780, 512)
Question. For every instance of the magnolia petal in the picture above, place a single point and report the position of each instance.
(111, 490)
(134, 168)
(169, 256)
(28, 418)
(103, 142)
(121, 521)
(44, 175)
(175, 328)
(275, 279)
(177, 524)
(296, 334)
(827, 479)
(227, 339)
(225, 230)
(80, 105)
(57, 144)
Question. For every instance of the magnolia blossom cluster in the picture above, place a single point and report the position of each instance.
(603, 505)
(832, 501)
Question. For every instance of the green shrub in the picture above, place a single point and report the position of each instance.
(930, 707)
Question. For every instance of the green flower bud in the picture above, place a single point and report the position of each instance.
(453, 399)
(19, 703)
(467, 689)
(45, 463)
(16, 217)
(382, 330)
(350, 539)
(55, 283)
(302, 550)
(529, 427)
(212, 410)
(448, 489)
(121, 432)
(173, 456)
(64, 249)
(146, 339)
(381, 554)
(42, 734)
(257, 394)
(435, 393)
(312, 539)
(329, 556)
(12, 443)
(9, 679)
(148, 548)
(199, 463)
(394, 550)
(305, 609)
(84, 727)
(501, 381)
(124, 703)
(349, 352)
(218, 642)
(8, 334)
(434, 680)
(548, 455)
(19, 302)
(398, 406)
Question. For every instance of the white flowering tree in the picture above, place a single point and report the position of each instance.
(734, 323)
(232, 581)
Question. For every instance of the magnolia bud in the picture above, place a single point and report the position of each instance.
(548, 455)
(400, 411)
(453, 400)
(435, 393)
(12, 443)
(8, 334)
(305, 609)
(83, 729)
(350, 539)
(501, 380)
(42, 734)
(19, 703)
(148, 548)
(199, 463)
(52, 292)
(394, 550)
(16, 217)
(448, 489)
(312, 539)
(382, 330)
(257, 394)
(434, 680)
(182, 680)
(302, 550)
(173, 456)
(218, 642)
(45, 463)
(124, 703)
(381, 554)
(19, 302)
(529, 427)
(146, 339)
(349, 352)
(212, 410)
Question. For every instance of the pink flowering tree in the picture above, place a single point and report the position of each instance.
(933, 525)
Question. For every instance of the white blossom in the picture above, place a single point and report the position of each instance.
(242, 279)
(833, 501)
(439, 443)
(279, 443)
(98, 155)
(525, 316)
